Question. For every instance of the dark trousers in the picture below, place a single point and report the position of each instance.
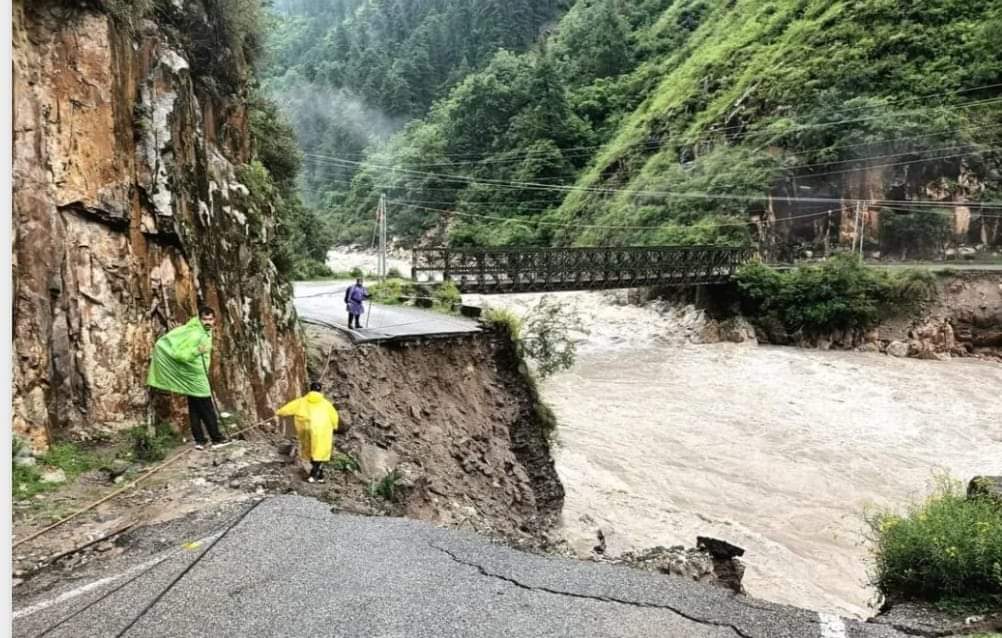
(317, 470)
(202, 414)
(355, 318)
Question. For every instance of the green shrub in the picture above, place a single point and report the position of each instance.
(505, 320)
(309, 270)
(510, 323)
(840, 294)
(17, 444)
(388, 487)
(344, 462)
(71, 458)
(68, 457)
(390, 291)
(548, 336)
(151, 448)
(947, 547)
(912, 286)
(356, 272)
(915, 234)
(26, 482)
(394, 273)
(447, 295)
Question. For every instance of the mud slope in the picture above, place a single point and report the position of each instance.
(455, 418)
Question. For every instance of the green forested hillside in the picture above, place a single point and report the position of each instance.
(350, 73)
(665, 121)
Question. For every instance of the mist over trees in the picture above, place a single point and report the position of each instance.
(655, 121)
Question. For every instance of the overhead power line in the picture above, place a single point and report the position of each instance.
(538, 186)
(705, 222)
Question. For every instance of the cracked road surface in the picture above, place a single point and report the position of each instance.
(287, 566)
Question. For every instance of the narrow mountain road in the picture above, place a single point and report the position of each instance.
(288, 566)
(323, 302)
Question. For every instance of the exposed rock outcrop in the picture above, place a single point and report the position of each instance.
(990, 486)
(127, 212)
(963, 319)
(712, 561)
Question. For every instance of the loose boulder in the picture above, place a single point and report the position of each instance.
(897, 349)
(990, 486)
(53, 476)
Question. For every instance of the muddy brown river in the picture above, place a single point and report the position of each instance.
(778, 450)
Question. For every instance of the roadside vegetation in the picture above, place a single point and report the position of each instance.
(388, 487)
(151, 446)
(344, 462)
(29, 480)
(839, 294)
(946, 550)
(64, 462)
(444, 297)
(546, 337)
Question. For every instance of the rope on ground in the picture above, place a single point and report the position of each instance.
(187, 569)
(131, 485)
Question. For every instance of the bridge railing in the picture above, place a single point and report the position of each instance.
(499, 270)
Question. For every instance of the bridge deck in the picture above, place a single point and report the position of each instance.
(490, 271)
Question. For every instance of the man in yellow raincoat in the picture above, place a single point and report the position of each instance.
(316, 421)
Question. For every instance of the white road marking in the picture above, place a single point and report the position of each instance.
(831, 626)
(97, 584)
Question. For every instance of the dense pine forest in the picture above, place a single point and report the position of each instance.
(493, 122)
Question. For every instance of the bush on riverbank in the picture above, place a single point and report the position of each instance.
(946, 549)
(840, 294)
(511, 325)
(389, 292)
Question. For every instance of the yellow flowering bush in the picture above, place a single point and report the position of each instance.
(946, 547)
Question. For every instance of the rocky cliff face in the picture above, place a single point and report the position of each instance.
(127, 212)
(792, 229)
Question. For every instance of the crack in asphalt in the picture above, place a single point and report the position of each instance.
(603, 599)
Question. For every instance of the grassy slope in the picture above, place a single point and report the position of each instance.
(773, 68)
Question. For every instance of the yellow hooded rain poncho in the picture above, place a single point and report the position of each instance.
(316, 421)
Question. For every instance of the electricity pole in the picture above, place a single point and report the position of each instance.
(382, 237)
(857, 231)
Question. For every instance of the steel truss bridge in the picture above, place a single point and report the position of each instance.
(508, 270)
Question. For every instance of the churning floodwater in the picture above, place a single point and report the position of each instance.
(778, 450)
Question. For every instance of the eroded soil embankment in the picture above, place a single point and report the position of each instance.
(454, 418)
(458, 422)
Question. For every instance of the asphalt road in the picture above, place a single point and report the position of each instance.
(290, 567)
(324, 302)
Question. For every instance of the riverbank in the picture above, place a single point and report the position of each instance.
(777, 450)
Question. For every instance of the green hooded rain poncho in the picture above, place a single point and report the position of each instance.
(177, 366)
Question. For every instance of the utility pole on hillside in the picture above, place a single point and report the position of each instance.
(857, 233)
(382, 237)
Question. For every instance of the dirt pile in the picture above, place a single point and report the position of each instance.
(454, 425)
(964, 320)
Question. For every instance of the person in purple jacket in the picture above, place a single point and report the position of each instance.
(353, 298)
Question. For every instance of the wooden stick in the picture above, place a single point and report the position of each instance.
(80, 548)
(175, 458)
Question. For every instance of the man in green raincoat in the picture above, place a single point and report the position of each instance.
(180, 364)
